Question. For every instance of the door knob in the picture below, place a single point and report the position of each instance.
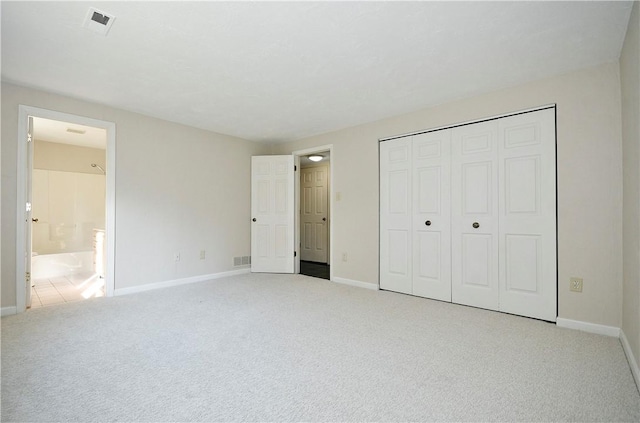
(324, 219)
(34, 220)
(428, 223)
(254, 219)
(476, 225)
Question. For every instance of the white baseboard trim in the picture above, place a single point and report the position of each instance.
(588, 327)
(633, 363)
(359, 284)
(177, 282)
(7, 311)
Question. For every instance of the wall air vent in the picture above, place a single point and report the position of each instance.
(76, 131)
(98, 21)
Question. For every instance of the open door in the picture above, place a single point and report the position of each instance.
(28, 215)
(272, 214)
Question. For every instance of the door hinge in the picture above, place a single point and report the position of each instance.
(28, 137)
(295, 253)
(27, 276)
(295, 168)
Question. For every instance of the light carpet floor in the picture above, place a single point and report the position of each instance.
(294, 348)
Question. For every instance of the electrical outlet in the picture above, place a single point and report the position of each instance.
(202, 254)
(575, 284)
(176, 257)
(344, 256)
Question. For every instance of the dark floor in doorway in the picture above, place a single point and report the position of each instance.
(316, 270)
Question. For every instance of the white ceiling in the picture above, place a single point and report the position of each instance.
(279, 71)
(56, 131)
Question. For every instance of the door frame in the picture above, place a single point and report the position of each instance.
(296, 160)
(24, 112)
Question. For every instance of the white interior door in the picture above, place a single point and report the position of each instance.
(272, 213)
(29, 214)
(314, 213)
(528, 281)
(474, 204)
(395, 215)
(432, 215)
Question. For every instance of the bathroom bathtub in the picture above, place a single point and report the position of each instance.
(45, 266)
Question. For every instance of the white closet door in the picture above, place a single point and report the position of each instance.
(474, 204)
(528, 214)
(432, 215)
(395, 215)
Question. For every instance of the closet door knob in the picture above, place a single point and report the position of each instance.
(476, 225)
(324, 219)
(428, 223)
(254, 219)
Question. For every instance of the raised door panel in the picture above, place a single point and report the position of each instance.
(395, 216)
(474, 215)
(431, 217)
(528, 278)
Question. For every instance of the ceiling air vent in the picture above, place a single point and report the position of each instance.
(98, 21)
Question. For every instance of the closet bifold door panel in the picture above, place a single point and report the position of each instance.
(474, 215)
(395, 215)
(527, 186)
(468, 214)
(431, 220)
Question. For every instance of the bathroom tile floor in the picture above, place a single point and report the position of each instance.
(66, 289)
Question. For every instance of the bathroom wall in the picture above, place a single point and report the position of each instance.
(68, 197)
(67, 158)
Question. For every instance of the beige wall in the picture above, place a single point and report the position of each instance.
(178, 189)
(589, 183)
(630, 88)
(67, 158)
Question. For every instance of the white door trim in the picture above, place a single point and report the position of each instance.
(296, 160)
(23, 114)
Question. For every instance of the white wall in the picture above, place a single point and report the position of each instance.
(589, 183)
(630, 88)
(178, 189)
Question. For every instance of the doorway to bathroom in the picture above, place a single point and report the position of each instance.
(68, 193)
(67, 229)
